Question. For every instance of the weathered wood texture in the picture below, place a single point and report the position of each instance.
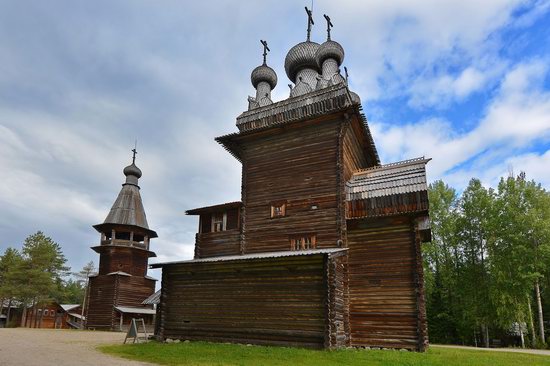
(101, 299)
(49, 316)
(126, 259)
(384, 283)
(353, 149)
(388, 205)
(217, 243)
(278, 301)
(338, 302)
(108, 291)
(298, 166)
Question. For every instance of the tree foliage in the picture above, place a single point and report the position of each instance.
(38, 273)
(490, 249)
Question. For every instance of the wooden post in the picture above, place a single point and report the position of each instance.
(121, 320)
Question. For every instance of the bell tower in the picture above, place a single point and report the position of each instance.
(122, 281)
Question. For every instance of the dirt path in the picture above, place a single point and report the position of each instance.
(44, 347)
(516, 350)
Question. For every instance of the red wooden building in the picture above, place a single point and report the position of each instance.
(116, 292)
(323, 250)
(53, 316)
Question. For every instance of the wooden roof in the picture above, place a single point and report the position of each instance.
(309, 106)
(263, 255)
(153, 299)
(215, 208)
(388, 189)
(127, 210)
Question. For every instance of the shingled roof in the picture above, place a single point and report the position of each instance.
(388, 189)
(128, 207)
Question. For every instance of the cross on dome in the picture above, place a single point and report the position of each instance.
(329, 25)
(310, 22)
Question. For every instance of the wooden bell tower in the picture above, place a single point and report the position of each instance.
(122, 283)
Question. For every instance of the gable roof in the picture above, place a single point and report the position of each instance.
(69, 307)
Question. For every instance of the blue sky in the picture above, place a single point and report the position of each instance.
(466, 83)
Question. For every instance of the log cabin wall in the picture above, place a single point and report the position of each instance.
(217, 243)
(354, 157)
(108, 291)
(298, 167)
(277, 301)
(101, 297)
(338, 302)
(385, 289)
(133, 290)
(126, 259)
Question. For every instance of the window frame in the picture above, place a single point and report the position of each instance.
(279, 206)
(303, 242)
(218, 218)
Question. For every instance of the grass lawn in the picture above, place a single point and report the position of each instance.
(202, 353)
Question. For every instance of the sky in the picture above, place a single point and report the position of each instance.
(464, 82)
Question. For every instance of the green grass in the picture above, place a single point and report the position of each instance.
(202, 353)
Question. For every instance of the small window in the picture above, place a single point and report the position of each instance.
(52, 312)
(218, 222)
(303, 242)
(278, 209)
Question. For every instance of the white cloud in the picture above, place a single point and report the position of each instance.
(516, 118)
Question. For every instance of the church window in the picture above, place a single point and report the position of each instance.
(303, 242)
(278, 209)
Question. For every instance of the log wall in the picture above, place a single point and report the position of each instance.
(353, 150)
(108, 291)
(338, 302)
(384, 284)
(299, 167)
(101, 298)
(277, 301)
(125, 259)
(217, 243)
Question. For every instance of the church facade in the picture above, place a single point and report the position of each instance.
(323, 250)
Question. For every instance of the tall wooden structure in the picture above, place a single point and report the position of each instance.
(323, 250)
(121, 284)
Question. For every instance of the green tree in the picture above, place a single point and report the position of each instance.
(44, 269)
(473, 232)
(11, 277)
(440, 270)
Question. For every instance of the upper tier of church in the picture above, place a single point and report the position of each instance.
(310, 66)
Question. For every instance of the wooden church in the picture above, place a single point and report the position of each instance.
(115, 294)
(323, 250)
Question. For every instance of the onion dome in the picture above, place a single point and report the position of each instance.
(132, 170)
(329, 49)
(355, 98)
(301, 56)
(263, 73)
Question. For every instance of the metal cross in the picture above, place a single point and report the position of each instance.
(310, 22)
(329, 25)
(266, 49)
(346, 73)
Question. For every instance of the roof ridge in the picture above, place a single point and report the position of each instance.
(395, 164)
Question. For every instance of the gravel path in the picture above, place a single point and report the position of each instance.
(44, 347)
(516, 350)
